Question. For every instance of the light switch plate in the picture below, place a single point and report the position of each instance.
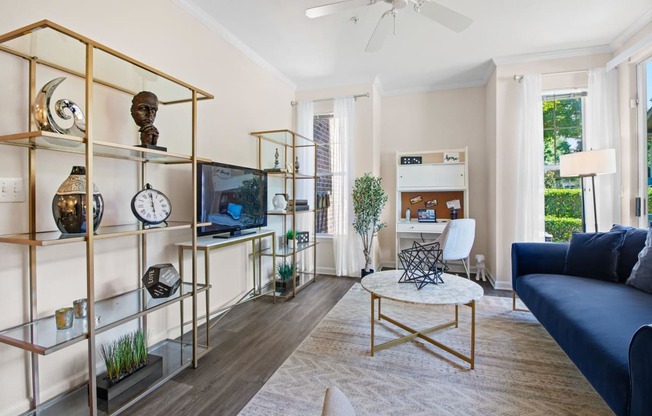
(12, 190)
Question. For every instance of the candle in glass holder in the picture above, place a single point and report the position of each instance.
(63, 318)
(81, 308)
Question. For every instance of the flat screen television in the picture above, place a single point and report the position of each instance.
(232, 198)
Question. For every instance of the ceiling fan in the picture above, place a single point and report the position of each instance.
(451, 19)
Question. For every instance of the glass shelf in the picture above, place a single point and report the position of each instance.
(284, 138)
(50, 238)
(43, 337)
(71, 144)
(288, 175)
(304, 211)
(286, 251)
(55, 46)
(176, 357)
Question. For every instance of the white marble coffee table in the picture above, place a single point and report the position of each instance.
(454, 291)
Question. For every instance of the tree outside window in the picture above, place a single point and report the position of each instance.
(562, 134)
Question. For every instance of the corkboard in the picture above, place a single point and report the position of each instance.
(441, 197)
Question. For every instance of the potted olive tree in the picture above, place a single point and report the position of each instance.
(369, 199)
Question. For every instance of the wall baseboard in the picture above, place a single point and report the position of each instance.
(16, 409)
(325, 270)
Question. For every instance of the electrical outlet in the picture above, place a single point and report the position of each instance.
(12, 190)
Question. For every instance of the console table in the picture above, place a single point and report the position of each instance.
(209, 243)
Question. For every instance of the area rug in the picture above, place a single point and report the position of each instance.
(519, 369)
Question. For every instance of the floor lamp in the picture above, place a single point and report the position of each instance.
(588, 164)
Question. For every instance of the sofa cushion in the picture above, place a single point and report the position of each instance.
(641, 277)
(594, 255)
(632, 245)
(593, 321)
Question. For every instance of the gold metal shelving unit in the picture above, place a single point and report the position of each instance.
(291, 145)
(46, 44)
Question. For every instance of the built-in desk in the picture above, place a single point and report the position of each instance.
(209, 243)
(409, 231)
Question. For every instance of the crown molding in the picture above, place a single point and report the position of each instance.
(491, 67)
(204, 18)
(631, 30)
(545, 56)
(629, 52)
(379, 86)
(433, 88)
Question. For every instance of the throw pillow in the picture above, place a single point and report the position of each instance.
(234, 210)
(641, 277)
(633, 244)
(594, 255)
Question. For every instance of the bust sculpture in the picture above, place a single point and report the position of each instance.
(143, 110)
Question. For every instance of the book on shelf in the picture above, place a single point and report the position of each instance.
(298, 205)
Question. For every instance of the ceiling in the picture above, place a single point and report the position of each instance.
(422, 55)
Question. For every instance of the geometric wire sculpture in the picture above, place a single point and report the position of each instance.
(422, 264)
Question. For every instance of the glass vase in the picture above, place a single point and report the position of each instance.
(69, 204)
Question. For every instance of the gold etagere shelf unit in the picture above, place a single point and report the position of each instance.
(46, 44)
(287, 180)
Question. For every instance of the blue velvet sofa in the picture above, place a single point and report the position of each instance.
(603, 326)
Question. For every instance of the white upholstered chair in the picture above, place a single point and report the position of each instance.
(457, 241)
(336, 403)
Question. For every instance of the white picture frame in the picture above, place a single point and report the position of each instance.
(451, 157)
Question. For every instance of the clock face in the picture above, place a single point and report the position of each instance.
(151, 206)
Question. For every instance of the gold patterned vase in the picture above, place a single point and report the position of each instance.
(69, 203)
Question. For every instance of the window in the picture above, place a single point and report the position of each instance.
(562, 134)
(645, 98)
(323, 126)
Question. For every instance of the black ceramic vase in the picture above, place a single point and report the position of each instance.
(69, 204)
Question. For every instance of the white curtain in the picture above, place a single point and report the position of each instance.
(529, 203)
(345, 241)
(603, 132)
(305, 189)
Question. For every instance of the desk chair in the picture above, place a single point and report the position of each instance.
(457, 241)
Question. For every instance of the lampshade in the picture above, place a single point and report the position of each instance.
(588, 163)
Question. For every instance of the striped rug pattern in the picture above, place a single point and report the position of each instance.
(519, 369)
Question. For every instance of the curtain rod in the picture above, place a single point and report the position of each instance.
(355, 97)
(519, 77)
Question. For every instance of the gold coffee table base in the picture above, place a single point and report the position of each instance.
(422, 333)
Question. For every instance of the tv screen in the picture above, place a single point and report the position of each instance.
(232, 198)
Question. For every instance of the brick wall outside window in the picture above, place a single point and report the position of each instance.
(322, 129)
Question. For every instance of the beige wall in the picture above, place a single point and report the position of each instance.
(492, 198)
(162, 35)
(430, 121)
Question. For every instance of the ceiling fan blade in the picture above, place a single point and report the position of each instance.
(451, 19)
(384, 26)
(327, 9)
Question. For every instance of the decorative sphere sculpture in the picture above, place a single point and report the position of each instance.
(161, 280)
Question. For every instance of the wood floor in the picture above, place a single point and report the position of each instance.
(248, 345)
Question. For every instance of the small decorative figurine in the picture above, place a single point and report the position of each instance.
(296, 165)
(276, 160)
(144, 107)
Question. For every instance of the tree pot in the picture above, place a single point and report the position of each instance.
(364, 272)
